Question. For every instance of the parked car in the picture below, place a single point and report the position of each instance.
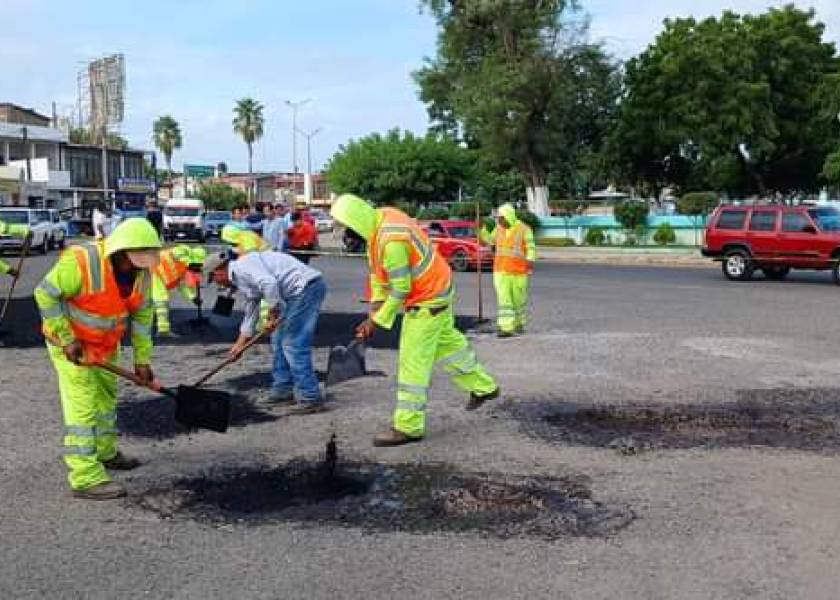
(37, 220)
(215, 220)
(58, 227)
(323, 221)
(456, 242)
(774, 239)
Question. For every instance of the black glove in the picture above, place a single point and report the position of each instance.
(197, 301)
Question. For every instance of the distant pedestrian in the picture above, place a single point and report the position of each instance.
(155, 216)
(274, 230)
(303, 237)
(101, 221)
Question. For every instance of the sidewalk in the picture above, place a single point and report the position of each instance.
(612, 255)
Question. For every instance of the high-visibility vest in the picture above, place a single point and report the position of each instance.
(98, 314)
(249, 241)
(170, 270)
(431, 277)
(511, 250)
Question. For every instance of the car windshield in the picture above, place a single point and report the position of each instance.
(219, 216)
(461, 232)
(828, 219)
(17, 217)
(180, 211)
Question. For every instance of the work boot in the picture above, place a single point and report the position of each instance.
(109, 490)
(393, 437)
(121, 462)
(309, 408)
(278, 398)
(477, 401)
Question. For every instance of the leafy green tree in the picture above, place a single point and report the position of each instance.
(736, 103)
(401, 167)
(167, 138)
(665, 235)
(248, 124)
(220, 196)
(697, 203)
(518, 81)
(631, 214)
(831, 169)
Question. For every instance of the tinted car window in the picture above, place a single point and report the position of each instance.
(732, 219)
(827, 218)
(795, 222)
(763, 221)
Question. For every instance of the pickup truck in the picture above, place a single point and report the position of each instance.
(58, 227)
(38, 222)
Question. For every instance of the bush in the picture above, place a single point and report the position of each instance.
(408, 208)
(595, 237)
(631, 214)
(529, 218)
(697, 203)
(665, 235)
(466, 210)
(432, 213)
(563, 242)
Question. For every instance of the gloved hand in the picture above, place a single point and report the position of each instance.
(144, 372)
(365, 330)
(74, 352)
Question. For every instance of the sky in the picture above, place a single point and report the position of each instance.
(352, 59)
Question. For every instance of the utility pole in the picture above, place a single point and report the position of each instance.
(307, 182)
(295, 106)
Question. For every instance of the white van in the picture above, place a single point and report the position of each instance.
(183, 219)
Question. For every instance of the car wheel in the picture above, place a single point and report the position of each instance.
(835, 271)
(51, 244)
(460, 261)
(737, 266)
(776, 273)
(62, 242)
(45, 245)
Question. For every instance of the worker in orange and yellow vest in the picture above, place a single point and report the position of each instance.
(407, 273)
(88, 300)
(512, 268)
(179, 267)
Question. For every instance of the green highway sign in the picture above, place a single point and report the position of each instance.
(199, 171)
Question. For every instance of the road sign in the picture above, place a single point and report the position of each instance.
(199, 171)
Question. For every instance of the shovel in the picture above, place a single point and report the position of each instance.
(194, 407)
(228, 361)
(224, 305)
(346, 363)
(23, 253)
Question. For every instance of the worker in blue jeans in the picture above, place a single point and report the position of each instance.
(294, 293)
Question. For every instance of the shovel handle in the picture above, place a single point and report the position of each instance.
(119, 371)
(27, 243)
(228, 361)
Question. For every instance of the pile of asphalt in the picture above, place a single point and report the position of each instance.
(798, 419)
(382, 498)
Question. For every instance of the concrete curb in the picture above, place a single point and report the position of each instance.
(620, 256)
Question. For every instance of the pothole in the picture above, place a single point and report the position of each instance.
(378, 497)
(804, 419)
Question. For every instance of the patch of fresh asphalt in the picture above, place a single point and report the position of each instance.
(744, 518)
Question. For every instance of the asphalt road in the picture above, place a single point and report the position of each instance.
(735, 516)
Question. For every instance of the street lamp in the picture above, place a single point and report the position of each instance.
(307, 182)
(295, 106)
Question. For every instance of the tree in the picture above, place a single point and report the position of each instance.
(248, 124)
(631, 214)
(401, 167)
(736, 103)
(220, 196)
(517, 81)
(167, 138)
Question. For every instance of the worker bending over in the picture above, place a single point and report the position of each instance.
(406, 272)
(293, 293)
(178, 267)
(89, 298)
(14, 230)
(512, 268)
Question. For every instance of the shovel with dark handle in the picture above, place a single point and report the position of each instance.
(194, 407)
(24, 251)
(229, 361)
(345, 363)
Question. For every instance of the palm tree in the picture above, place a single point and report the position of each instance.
(167, 136)
(248, 123)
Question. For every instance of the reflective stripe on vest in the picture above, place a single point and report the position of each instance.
(430, 275)
(170, 270)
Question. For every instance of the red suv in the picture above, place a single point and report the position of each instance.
(774, 239)
(455, 240)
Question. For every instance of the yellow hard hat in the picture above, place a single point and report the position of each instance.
(230, 233)
(138, 239)
(355, 213)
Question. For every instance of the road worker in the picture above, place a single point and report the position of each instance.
(244, 241)
(14, 230)
(512, 268)
(406, 272)
(88, 299)
(179, 267)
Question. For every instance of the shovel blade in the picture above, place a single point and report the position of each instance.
(199, 408)
(346, 363)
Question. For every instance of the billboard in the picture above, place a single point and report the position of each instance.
(106, 78)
